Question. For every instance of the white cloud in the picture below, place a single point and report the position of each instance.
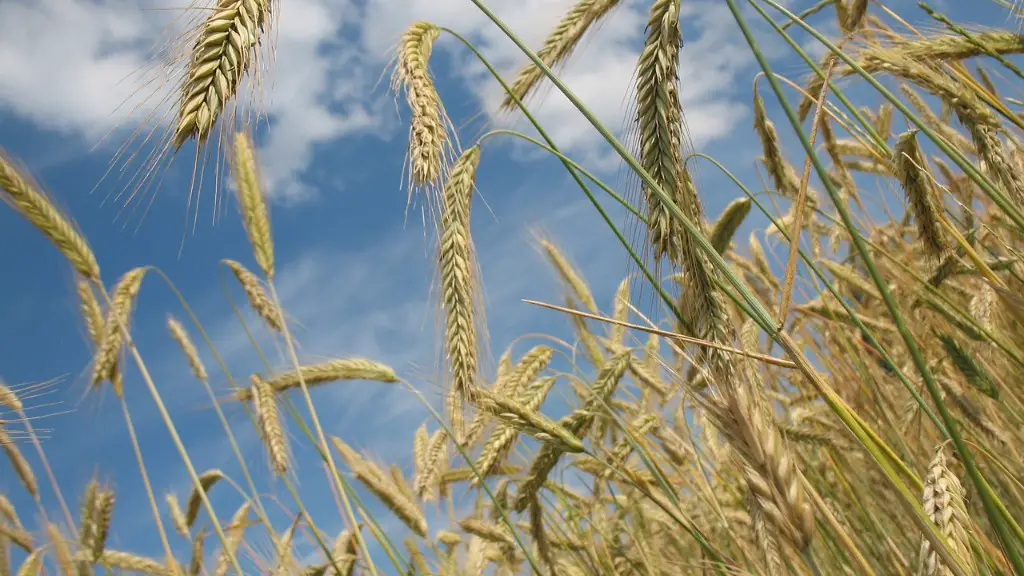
(84, 67)
(64, 61)
(68, 64)
(600, 72)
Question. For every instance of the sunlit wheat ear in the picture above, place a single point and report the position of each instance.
(133, 562)
(489, 532)
(933, 121)
(187, 347)
(92, 313)
(569, 275)
(265, 405)
(384, 488)
(333, 371)
(102, 513)
(659, 137)
(721, 233)
(578, 423)
(24, 197)
(510, 382)
(223, 54)
(198, 552)
(253, 203)
(559, 45)
(504, 435)
(32, 565)
(430, 145)
(783, 175)
(235, 532)
(996, 159)
(944, 504)
(122, 303)
(177, 515)
(345, 552)
(256, 294)
(61, 552)
(206, 481)
(434, 462)
(459, 287)
(8, 398)
(21, 467)
(912, 172)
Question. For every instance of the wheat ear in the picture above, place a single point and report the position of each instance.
(429, 143)
(912, 172)
(458, 286)
(558, 46)
(254, 205)
(223, 54)
(39, 210)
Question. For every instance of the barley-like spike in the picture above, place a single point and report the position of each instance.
(206, 481)
(122, 303)
(504, 435)
(223, 54)
(34, 206)
(91, 311)
(529, 421)
(429, 142)
(578, 423)
(975, 373)
(325, 373)
(384, 488)
(187, 347)
(21, 466)
(912, 172)
(104, 512)
(265, 403)
(235, 532)
(943, 502)
(459, 287)
(134, 562)
(660, 132)
(433, 465)
(558, 46)
(570, 276)
(32, 565)
(177, 514)
(730, 220)
(253, 203)
(195, 565)
(258, 298)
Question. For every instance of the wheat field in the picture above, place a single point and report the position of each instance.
(845, 404)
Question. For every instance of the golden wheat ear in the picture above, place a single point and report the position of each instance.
(223, 54)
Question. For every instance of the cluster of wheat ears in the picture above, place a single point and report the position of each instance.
(869, 425)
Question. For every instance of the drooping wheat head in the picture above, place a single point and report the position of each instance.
(459, 288)
(21, 195)
(558, 46)
(430, 146)
(224, 53)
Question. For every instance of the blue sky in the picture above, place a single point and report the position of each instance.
(354, 275)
